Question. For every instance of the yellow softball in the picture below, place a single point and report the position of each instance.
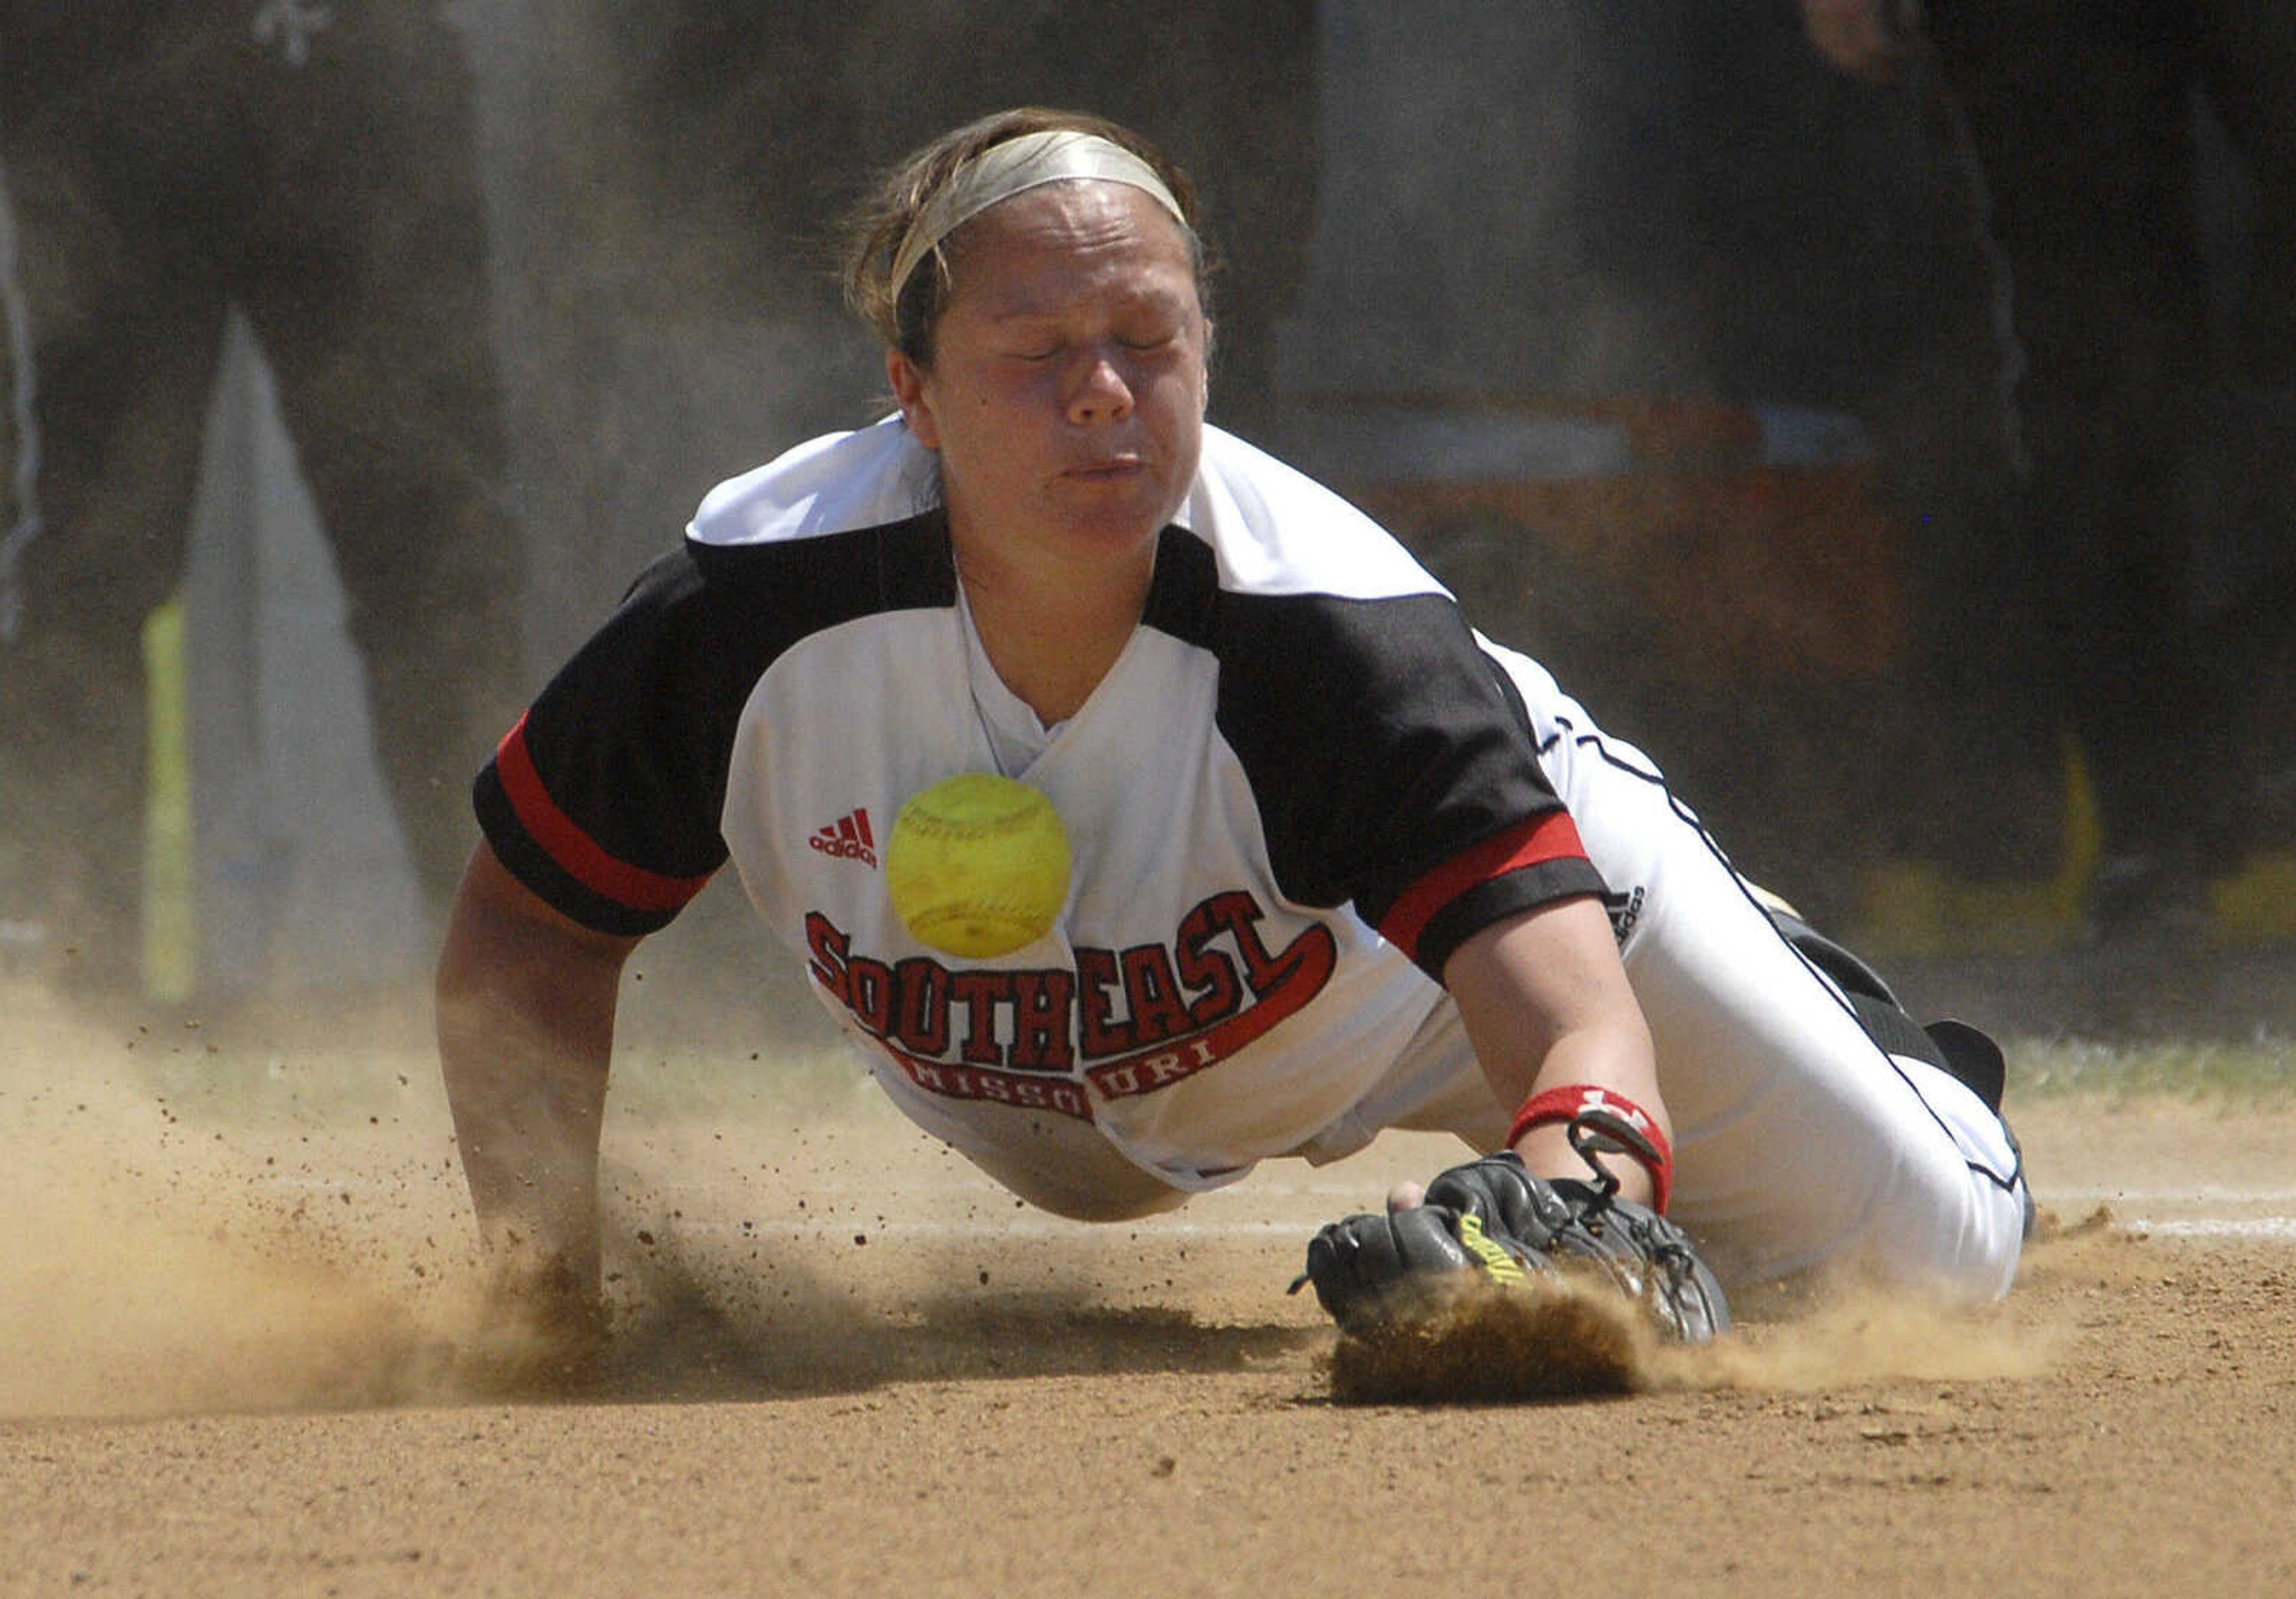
(978, 865)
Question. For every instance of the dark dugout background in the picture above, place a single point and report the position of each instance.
(1670, 348)
(1680, 354)
(1676, 352)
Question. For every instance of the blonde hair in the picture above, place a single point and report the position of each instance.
(906, 315)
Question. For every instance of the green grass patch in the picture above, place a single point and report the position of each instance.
(2262, 1071)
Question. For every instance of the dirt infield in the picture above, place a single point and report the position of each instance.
(237, 1363)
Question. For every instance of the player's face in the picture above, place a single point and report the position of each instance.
(1066, 396)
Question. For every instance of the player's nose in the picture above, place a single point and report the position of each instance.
(1101, 392)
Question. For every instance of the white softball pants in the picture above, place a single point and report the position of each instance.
(1800, 1145)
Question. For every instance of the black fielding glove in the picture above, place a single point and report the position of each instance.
(1500, 1191)
(1378, 1270)
(1493, 1216)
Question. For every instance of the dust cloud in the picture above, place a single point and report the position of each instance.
(1567, 1339)
(166, 1255)
(268, 1215)
(205, 1224)
(1869, 1336)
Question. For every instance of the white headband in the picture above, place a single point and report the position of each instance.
(1003, 170)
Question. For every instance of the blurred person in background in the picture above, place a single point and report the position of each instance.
(2082, 120)
(166, 160)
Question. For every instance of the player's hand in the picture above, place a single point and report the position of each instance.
(1872, 39)
(543, 1329)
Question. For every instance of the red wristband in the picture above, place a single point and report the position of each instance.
(1630, 1129)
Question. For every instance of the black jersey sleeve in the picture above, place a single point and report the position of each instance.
(1394, 766)
(604, 798)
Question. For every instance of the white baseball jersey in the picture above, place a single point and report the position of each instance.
(1301, 744)
(1302, 786)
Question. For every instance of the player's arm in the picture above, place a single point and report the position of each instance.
(1547, 1006)
(1554, 1025)
(526, 1001)
(1512, 923)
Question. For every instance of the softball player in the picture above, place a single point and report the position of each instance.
(1340, 865)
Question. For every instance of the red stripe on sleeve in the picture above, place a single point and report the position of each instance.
(1552, 835)
(565, 842)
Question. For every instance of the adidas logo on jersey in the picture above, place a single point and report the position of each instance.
(1625, 910)
(848, 838)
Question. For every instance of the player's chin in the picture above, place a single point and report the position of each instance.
(1119, 508)
(1113, 526)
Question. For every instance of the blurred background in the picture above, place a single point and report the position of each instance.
(1900, 453)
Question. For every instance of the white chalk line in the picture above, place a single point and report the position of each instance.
(2226, 1214)
(2278, 1229)
(2273, 1227)
(2209, 1195)
(2269, 1228)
